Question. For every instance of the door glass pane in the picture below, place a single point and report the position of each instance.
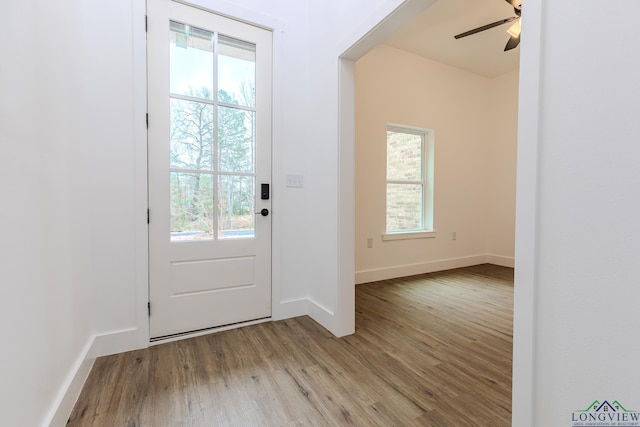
(404, 156)
(236, 140)
(404, 207)
(236, 207)
(191, 61)
(191, 135)
(236, 71)
(191, 206)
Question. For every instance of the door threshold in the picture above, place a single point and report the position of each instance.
(206, 331)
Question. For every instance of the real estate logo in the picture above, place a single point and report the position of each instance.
(605, 414)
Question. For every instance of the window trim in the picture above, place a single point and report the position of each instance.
(427, 163)
(408, 235)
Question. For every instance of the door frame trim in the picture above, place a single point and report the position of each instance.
(141, 228)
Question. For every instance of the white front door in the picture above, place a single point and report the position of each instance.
(209, 152)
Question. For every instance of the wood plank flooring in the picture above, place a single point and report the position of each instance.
(429, 350)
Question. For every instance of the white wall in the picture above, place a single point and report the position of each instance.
(580, 293)
(474, 162)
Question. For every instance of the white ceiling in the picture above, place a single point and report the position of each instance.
(431, 33)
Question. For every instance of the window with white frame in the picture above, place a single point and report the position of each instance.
(409, 206)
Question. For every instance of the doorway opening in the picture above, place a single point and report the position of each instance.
(375, 31)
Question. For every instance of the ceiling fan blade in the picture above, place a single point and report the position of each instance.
(517, 4)
(485, 27)
(512, 43)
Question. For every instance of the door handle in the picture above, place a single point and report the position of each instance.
(263, 212)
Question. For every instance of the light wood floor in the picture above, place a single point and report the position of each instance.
(430, 350)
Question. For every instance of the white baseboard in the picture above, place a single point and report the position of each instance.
(503, 261)
(307, 307)
(291, 308)
(97, 346)
(374, 275)
(117, 342)
(71, 388)
(325, 317)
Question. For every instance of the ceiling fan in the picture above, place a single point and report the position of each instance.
(514, 30)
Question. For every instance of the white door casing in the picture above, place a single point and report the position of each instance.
(209, 151)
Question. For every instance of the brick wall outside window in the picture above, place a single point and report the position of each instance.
(404, 163)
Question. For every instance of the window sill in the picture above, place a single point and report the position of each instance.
(409, 235)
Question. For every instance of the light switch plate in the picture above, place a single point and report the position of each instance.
(294, 180)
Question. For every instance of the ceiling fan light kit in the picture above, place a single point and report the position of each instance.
(514, 30)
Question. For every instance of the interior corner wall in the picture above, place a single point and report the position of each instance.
(68, 249)
(501, 215)
(393, 86)
(46, 305)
